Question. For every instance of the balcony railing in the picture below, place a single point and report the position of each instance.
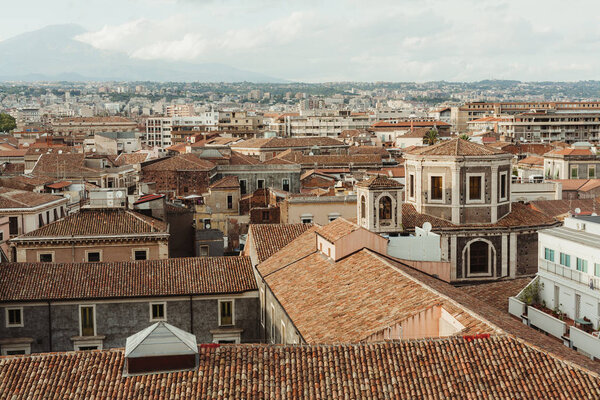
(584, 342)
(570, 273)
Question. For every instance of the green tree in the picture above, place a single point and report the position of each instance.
(431, 137)
(7, 123)
(464, 136)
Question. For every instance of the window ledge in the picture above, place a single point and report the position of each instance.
(21, 340)
(87, 338)
(232, 329)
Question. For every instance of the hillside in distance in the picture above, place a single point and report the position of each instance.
(52, 54)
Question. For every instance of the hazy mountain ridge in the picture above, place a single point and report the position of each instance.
(53, 54)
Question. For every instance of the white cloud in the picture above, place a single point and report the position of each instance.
(376, 40)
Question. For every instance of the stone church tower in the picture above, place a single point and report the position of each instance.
(379, 204)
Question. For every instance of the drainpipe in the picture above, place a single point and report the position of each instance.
(49, 327)
(191, 316)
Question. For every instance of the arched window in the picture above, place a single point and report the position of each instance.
(363, 206)
(479, 254)
(385, 208)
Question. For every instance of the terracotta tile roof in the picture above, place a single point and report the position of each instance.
(520, 215)
(149, 197)
(332, 159)
(532, 160)
(181, 162)
(54, 163)
(369, 150)
(14, 198)
(169, 277)
(502, 319)
(523, 148)
(13, 153)
(590, 185)
(351, 299)
(496, 294)
(237, 158)
(270, 238)
(131, 158)
(100, 222)
(570, 152)
(379, 181)
(337, 229)
(23, 182)
(58, 185)
(278, 142)
(456, 147)
(498, 367)
(571, 184)
(556, 208)
(227, 182)
(392, 172)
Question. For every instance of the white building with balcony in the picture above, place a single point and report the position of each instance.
(569, 268)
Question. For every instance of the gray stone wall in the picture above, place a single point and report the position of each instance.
(116, 321)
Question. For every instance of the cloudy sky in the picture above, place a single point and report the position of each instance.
(337, 40)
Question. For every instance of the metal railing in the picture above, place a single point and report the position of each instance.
(573, 274)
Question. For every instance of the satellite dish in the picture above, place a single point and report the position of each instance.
(207, 226)
(578, 210)
(427, 227)
(119, 194)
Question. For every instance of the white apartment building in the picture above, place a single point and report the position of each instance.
(569, 268)
(159, 131)
(325, 123)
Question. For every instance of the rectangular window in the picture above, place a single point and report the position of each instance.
(14, 317)
(503, 185)
(283, 333)
(285, 184)
(411, 186)
(263, 306)
(475, 192)
(597, 272)
(139, 255)
(581, 265)
(40, 220)
(243, 184)
(260, 183)
(45, 257)
(225, 312)
(87, 321)
(93, 256)
(203, 251)
(436, 188)
(272, 324)
(549, 254)
(565, 260)
(13, 226)
(592, 171)
(574, 173)
(158, 312)
(229, 202)
(17, 349)
(265, 215)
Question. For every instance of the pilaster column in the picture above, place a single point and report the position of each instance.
(456, 203)
(494, 184)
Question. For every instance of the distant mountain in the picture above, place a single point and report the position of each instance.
(52, 54)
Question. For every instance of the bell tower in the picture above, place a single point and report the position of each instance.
(379, 204)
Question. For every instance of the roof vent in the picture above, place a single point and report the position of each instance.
(160, 348)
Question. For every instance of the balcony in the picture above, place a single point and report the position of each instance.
(584, 342)
(571, 274)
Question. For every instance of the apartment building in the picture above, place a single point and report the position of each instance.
(564, 298)
(240, 122)
(476, 110)
(548, 126)
(166, 131)
(324, 123)
(88, 126)
(580, 162)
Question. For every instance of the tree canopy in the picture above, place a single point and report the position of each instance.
(431, 137)
(7, 123)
